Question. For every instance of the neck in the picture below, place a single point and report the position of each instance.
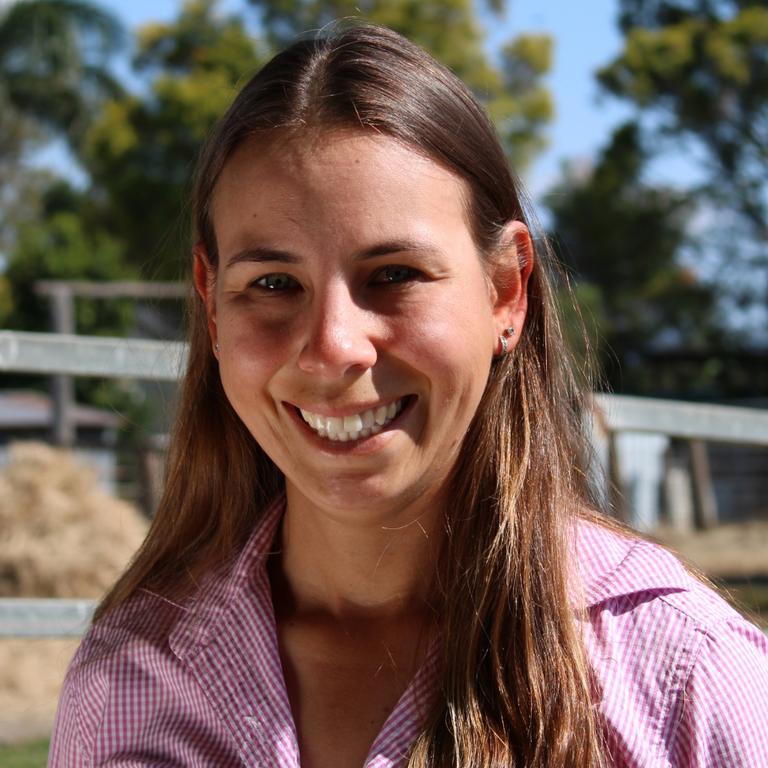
(349, 566)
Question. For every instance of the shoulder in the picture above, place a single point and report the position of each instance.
(682, 677)
(140, 684)
(620, 573)
(137, 632)
(127, 692)
(128, 643)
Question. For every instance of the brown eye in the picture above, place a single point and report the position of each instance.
(277, 282)
(395, 274)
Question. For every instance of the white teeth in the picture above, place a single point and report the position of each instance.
(347, 428)
(353, 423)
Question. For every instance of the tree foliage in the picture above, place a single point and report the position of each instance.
(53, 78)
(60, 245)
(52, 57)
(700, 67)
(622, 240)
(140, 150)
(511, 88)
(19, 186)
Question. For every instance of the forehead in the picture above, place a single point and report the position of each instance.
(345, 182)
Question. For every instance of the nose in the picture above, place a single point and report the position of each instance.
(338, 335)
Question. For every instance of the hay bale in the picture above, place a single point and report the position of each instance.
(61, 535)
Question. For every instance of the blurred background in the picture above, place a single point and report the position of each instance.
(639, 127)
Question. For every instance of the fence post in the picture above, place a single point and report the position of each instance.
(677, 487)
(617, 498)
(704, 501)
(62, 387)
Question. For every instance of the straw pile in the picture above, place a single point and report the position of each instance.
(61, 535)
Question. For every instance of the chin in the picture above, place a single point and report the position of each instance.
(371, 500)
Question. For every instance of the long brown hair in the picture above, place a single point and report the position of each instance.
(515, 683)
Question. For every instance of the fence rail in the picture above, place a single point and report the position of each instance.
(74, 355)
(61, 353)
(718, 423)
(44, 617)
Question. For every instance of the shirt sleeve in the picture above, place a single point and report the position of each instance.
(724, 720)
(67, 749)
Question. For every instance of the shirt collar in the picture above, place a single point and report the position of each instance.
(215, 597)
(612, 564)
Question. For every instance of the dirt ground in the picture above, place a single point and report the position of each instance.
(734, 550)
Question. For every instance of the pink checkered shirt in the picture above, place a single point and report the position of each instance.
(683, 678)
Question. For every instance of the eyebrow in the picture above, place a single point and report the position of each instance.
(396, 246)
(259, 254)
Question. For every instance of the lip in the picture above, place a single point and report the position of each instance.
(362, 445)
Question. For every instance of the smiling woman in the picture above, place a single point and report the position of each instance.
(376, 545)
(361, 295)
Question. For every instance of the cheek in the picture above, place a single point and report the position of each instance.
(243, 320)
(251, 351)
(462, 316)
(453, 344)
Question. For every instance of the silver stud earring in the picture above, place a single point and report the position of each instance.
(216, 346)
(504, 340)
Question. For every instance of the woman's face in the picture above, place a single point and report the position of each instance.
(354, 319)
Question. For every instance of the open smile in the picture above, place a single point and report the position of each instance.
(354, 426)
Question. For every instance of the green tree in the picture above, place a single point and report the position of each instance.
(19, 186)
(52, 61)
(140, 150)
(60, 245)
(699, 70)
(53, 76)
(512, 89)
(622, 240)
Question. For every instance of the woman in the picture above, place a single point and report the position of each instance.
(376, 545)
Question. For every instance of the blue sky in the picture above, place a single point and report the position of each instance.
(583, 42)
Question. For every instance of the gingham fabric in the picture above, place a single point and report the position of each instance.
(683, 679)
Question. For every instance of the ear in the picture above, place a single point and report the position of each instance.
(513, 265)
(204, 277)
